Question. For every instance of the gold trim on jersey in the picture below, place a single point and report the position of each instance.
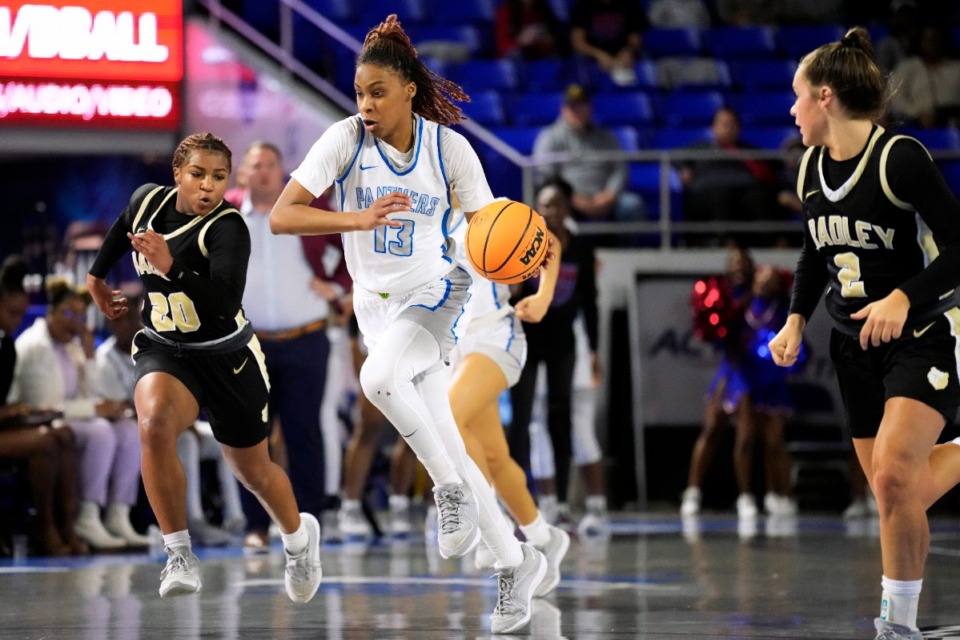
(203, 232)
(906, 206)
(953, 317)
(802, 176)
(838, 194)
(144, 204)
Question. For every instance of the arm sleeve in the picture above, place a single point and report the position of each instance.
(588, 295)
(915, 179)
(117, 244)
(228, 246)
(810, 281)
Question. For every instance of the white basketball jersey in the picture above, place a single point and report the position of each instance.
(398, 259)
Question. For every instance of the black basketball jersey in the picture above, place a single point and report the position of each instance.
(170, 310)
(872, 241)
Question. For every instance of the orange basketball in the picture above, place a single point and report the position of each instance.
(506, 241)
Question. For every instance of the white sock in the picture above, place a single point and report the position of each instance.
(899, 601)
(349, 505)
(399, 502)
(537, 532)
(177, 539)
(297, 541)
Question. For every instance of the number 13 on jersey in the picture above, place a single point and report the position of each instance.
(397, 241)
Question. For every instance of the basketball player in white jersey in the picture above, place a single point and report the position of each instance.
(394, 165)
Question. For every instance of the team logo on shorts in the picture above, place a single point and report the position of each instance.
(938, 379)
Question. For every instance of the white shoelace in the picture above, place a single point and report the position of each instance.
(448, 504)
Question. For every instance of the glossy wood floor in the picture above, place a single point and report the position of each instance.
(658, 577)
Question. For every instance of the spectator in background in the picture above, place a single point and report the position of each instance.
(928, 82)
(728, 189)
(609, 32)
(598, 186)
(56, 369)
(528, 29)
(28, 435)
(747, 388)
(291, 321)
(552, 342)
(893, 48)
(745, 13)
(673, 14)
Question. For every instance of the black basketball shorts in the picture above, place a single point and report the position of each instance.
(921, 365)
(232, 388)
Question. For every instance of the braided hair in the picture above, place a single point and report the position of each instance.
(388, 46)
(201, 141)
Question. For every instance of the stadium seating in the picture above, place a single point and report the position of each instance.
(670, 137)
(535, 108)
(937, 138)
(763, 75)
(765, 108)
(486, 108)
(731, 43)
(691, 108)
(635, 108)
(658, 43)
(796, 41)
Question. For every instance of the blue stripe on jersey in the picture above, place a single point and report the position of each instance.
(416, 155)
(513, 333)
(493, 292)
(443, 172)
(463, 309)
(363, 133)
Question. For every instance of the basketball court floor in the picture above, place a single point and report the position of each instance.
(657, 577)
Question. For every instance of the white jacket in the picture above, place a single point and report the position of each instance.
(38, 381)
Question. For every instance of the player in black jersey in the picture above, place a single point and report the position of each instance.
(883, 233)
(191, 247)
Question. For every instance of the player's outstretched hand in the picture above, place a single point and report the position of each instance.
(376, 215)
(111, 302)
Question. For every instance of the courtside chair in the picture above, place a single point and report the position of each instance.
(734, 43)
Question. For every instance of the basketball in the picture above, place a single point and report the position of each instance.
(506, 241)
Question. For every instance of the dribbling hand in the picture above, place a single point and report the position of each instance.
(376, 215)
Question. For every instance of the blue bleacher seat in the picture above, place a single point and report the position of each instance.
(486, 108)
(689, 108)
(676, 137)
(671, 42)
(462, 34)
(480, 12)
(535, 108)
(409, 12)
(520, 138)
(951, 173)
(797, 41)
(309, 43)
(729, 43)
(553, 74)
(765, 108)
(478, 75)
(263, 15)
(768, 137)
(936, 138)
(644, 179)
(636, 108)
(337, 10)
(647, 80)
(627, 136)
(763, 75)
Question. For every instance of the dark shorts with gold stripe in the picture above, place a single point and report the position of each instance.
(920, 365)
(232, 387)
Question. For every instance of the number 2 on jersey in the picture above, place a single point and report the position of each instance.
(401, 246)
(175, 313)
(851, 286)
